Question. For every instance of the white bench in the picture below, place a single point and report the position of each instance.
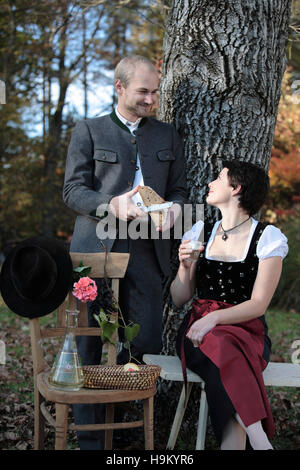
(276, 374)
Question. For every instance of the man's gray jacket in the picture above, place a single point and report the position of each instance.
(101, 164)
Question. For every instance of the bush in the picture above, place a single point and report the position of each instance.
(287, 295)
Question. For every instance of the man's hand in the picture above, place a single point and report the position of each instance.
(124, 208)
(173, 212)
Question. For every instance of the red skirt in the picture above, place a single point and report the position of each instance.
(237, 351)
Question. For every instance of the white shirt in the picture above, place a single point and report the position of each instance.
(138, 178)
(271, 243)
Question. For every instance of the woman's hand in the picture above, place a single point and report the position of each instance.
(184, 253)
(183, 287)
(200, 328)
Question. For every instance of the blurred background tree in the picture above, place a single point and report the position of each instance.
(55, 58)
(283, 205)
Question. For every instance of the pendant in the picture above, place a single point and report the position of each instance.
(224, 236)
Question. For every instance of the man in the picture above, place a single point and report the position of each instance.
(108, 158)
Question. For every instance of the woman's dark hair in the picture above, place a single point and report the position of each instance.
(254, 184)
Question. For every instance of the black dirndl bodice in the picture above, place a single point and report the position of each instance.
(230, 282)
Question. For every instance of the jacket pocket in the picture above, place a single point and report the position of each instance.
(165, 155)
(106, 156)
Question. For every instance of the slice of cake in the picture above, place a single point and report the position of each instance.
(151, 198)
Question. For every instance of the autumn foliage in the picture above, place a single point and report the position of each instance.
(285, 160)
(283, 205)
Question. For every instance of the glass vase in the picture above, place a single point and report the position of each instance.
(66, 372)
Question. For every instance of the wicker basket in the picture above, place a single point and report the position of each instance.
(114, 377)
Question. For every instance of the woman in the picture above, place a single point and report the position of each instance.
(224, 338)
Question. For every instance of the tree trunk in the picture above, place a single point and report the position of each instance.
(222, 70)
(53, 142)
(52, 153)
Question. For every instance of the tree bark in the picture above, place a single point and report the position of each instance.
(222, 71)
(221, 82)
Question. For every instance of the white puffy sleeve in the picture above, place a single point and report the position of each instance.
(272, 243)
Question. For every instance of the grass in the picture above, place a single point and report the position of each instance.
(16, 392)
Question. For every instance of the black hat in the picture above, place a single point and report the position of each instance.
(36, 276)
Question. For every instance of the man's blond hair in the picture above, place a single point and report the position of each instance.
(126, 67)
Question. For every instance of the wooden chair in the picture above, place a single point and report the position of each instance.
(115, 269)
(276, 374)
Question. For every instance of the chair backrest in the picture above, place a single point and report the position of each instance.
(112, 266)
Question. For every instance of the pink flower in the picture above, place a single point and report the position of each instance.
(85, 289)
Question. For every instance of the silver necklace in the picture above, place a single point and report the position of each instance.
(225, 236)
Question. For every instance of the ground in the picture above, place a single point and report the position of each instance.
(16, 392)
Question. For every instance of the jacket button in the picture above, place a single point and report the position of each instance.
(133, 141)
(133, 162)
(104, 157)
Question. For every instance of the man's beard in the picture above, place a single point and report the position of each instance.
(140, 110)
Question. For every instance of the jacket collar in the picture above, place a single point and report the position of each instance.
(119, 123)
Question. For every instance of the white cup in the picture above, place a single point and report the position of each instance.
(195, 245)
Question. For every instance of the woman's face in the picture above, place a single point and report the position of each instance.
(220, 190)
